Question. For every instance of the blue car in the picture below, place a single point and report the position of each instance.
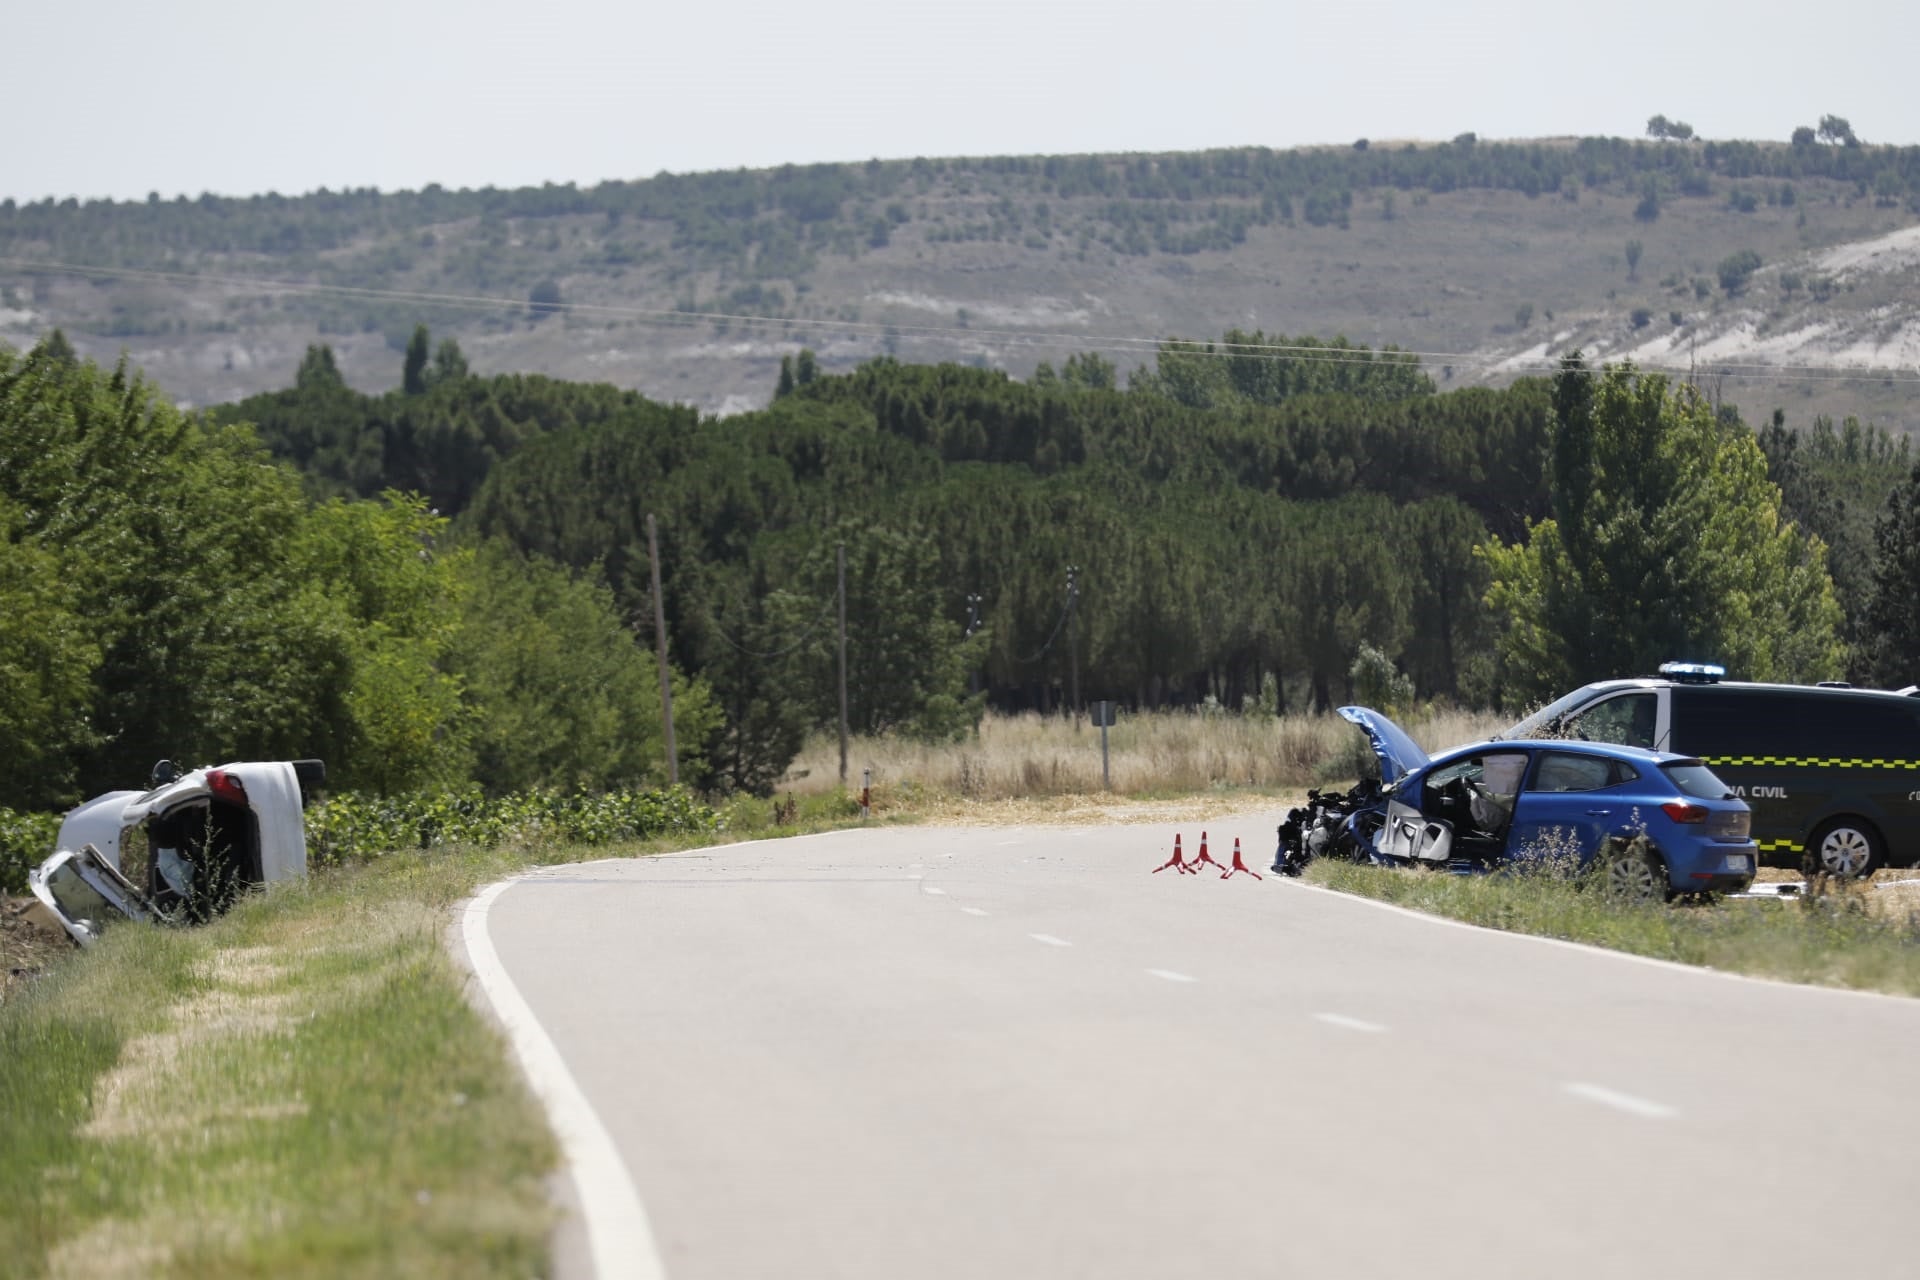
(1660, 824)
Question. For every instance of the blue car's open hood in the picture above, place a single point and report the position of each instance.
(1398, 754)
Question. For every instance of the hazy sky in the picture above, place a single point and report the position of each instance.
(121, 97)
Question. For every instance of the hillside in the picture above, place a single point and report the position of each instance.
(1488, 256)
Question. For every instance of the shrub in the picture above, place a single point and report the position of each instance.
(25, 841)
(350, 826)
(1378, 683)
(1736, 269)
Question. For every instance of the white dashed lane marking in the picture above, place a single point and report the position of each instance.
(1620, 1101)
(1350, 1024)
(1170, 975)
(1049, 939)
(973, 911)
(930, 889)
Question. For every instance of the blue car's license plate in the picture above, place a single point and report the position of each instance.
(1739, 862)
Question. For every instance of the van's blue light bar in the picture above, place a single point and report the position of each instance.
(1693, 672)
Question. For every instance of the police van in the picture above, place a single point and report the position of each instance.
(1832, 773)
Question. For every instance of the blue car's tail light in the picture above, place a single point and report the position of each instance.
(1730, 825)
(1681, 811)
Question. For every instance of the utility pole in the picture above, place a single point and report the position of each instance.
(1073, 650)
(840, 555)
(660, 647)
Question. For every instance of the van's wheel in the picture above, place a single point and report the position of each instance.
(1848, 847)
(1634, 872)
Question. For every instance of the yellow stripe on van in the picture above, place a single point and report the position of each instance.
(1778, 846)
(1814, 762)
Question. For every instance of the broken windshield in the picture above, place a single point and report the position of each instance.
(79, 901)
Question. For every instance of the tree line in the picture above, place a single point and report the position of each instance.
(770, 224)
(450, 580)
(168, 589)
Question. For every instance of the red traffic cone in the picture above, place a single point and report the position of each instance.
(1177, 862)
(1205, 859)
(1238, 865)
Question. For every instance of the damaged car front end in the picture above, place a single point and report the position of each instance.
(181, 852)
(1656, 824)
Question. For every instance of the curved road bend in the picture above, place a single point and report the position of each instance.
(909, 1054)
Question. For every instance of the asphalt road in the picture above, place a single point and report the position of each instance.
(910, 1053)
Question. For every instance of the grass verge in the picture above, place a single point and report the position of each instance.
(1837, 938)
(298, 1088)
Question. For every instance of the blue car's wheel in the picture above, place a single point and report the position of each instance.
(1633, 871)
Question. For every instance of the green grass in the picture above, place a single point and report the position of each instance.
(1831, 939)
(298, 1088)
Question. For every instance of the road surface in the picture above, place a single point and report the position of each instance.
(904, 1053)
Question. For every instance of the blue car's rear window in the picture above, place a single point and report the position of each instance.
(1695, 779)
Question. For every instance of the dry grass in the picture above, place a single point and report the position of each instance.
(1153, 756)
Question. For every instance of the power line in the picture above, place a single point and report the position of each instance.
(1304, 353)
(1041, 652)
(731, 643)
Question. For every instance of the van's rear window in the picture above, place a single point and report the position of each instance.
(1696, 779)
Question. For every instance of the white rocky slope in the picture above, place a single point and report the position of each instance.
(1849, 312)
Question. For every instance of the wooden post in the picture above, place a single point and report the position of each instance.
(660, 647)
(1103, 713)
(841, 556)
(1073, 650)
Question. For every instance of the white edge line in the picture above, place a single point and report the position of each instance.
(1675, 966)
(1171, 976)
(1620, 1101)
(1350, 1024)
(1049, 939)
(619, 1236)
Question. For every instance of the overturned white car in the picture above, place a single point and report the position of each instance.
(180, 852)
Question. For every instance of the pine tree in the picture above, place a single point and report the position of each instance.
(1893, 617)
